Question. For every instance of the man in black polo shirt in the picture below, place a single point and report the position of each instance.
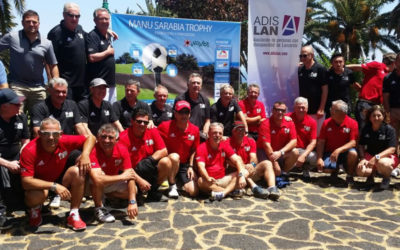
(313, 85)
(200, 105)
(95, 111)
(391, 95)
(226, 110)
(161, 111)
(124, 108)
(68, 40)
(339, 79)
(14, 132)
(101, 62)
(56, 106)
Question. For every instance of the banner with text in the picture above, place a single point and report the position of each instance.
(162, 50)
(274, 43)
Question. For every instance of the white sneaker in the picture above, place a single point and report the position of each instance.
(164, 186)
(395, 172)
(173, 193)
(55, 202)
(103, 215)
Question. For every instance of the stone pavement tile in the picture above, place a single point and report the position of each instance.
(212, 235)
(339, 247)
(234, 229)
(279, 216)
(12, 246)
(322, 226)
(371, 237)
(41, 244)
(189, 240)
(166, 239)
(375, 212)
(280, 243)
(242, 242)
(301, 206)
(315, 215)
(138, 242)
(153, 216)
(185, 205)
(343, 235)
(96, 240)
(258, 233)
(203, 228)
(317, 200)
(156, 226)
(334, 210)
(129, 232)
(84, 247)
(325, 239)
(393, 242)
(297, 229)
(245, 218)
(260, 227)
(105, 231)
(184, 221)
(115, 245)
(386, 225)
(381, 196)
(212, 218)
(366, 245)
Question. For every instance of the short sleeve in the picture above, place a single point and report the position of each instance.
(38, 113)
(92, 42)
(83, 107)
(3, 75)
(50, 56)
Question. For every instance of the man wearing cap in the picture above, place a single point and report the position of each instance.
(29, 52)
(371, 89)
(210, 158)
(199, 104)
(124, 107)
(14, 133)
(58, 107)
(3, 76)
(148, 154)
(226, 110)
(277, 140)
(246, 148)
(391, 95)
(44, 169)
(160, 110)
(181, 138)
(253, 109)
(95, 111)
(111, 173)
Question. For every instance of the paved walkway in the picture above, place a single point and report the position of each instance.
(308, 216)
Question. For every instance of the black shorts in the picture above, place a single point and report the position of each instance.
(148, 171)
(69, 163)
(182, 173)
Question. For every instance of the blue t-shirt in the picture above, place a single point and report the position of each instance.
(3, 75)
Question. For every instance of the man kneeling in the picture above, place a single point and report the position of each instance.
(44, 168)
(108, 160)
(210, 158)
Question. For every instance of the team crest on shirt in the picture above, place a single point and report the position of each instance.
(223, 154)
(117, 162)
(149, 142)
(155, 115)
(382, 137)
(62, 155)
(273, 132)
(209, 156)
(367, 136)
(202, 106)
(190, 137)
(172, 135)
(393, 82)
(19, 125)
(106, 112)
(345, 78)
(41, 163)
(247, 148)
(92, 114)
(102, 43)
(313, 74)
(287, 130)
(307, 128)
(169, 114)
(69, 39)
(346, 130)
(69, 114)
(231, 108)
(80, 35)
(93, 164)
(103, 165)
(133, 148)
(258, 110)
(221, 113)
(329, 129)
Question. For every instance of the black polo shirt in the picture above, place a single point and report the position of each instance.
(11, 134)
(225, 115)
(391, 85)
(68, 115)
(105, 68)
(200, 108)
(339, 87)
(310, 85)
(160, 116)
(70, 49)
(96, 117)
(377, 141)
(123, 111)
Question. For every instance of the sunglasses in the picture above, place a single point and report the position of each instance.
(303, 55)
(72, 15)
(279, 110)
(183, 112)
(110, 137)
(55, 134)
(142, 122)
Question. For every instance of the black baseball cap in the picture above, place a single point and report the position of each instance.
(9, 96)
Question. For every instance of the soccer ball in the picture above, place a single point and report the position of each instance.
(155, 57)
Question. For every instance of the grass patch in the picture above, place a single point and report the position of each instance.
(127, 69)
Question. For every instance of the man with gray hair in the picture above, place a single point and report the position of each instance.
(57, 106)
(160, 109)
(337, 141)
(306, 130)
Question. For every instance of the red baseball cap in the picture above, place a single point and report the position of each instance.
(182, 105)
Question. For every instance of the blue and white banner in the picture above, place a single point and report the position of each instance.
(274, 43)
(167, 50)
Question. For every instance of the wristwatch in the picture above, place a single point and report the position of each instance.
(377, 156)
(240, 174)
(132, 202)
(282, 152)
(53, 187)
(253, 164)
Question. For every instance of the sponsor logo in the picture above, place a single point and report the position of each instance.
(41, 163)
(346, 130)
(149, 142)
(19, 125)
(69, 114)
(287, 130)
(62, 155)
(307, 128)
(290, 25)
(117, 162)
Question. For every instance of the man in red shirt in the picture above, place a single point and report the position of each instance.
(44, 168)
(148, 154)
(253, 109)
(210, 159)
(371, 89)
(246, 148)
(337, 141)
(181, 138)
(306, 130)
(277, 140)
(111, 173)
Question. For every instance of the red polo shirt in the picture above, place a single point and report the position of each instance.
(248, 146)
(371, 90)
(36, 162)
(335, 135)
(264, 134)
(140, 148)
(306, 130)
(279, 135)
(182, 143)
(252, 111)
(214, 159)
(119, 161)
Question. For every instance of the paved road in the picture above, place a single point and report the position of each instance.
(313, 215)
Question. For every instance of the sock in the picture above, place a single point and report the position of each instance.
(75, 213)
(173, 186)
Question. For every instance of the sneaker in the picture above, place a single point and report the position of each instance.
(237, 194)
(35, 217)
(4, 223)
(385, 183)
(395, 172)
(349, 180)
(306, 175)
(216, 196)
(164, 186)
(173, 193)
(76, 225)
(103, 215)
(55, 202)
(274, 193)
(260, 192)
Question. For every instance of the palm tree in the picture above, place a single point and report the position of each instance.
(394, 23)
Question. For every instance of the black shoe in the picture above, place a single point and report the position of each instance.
(4, 223)
(274, 193)
(156, 196)
(260, 192)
